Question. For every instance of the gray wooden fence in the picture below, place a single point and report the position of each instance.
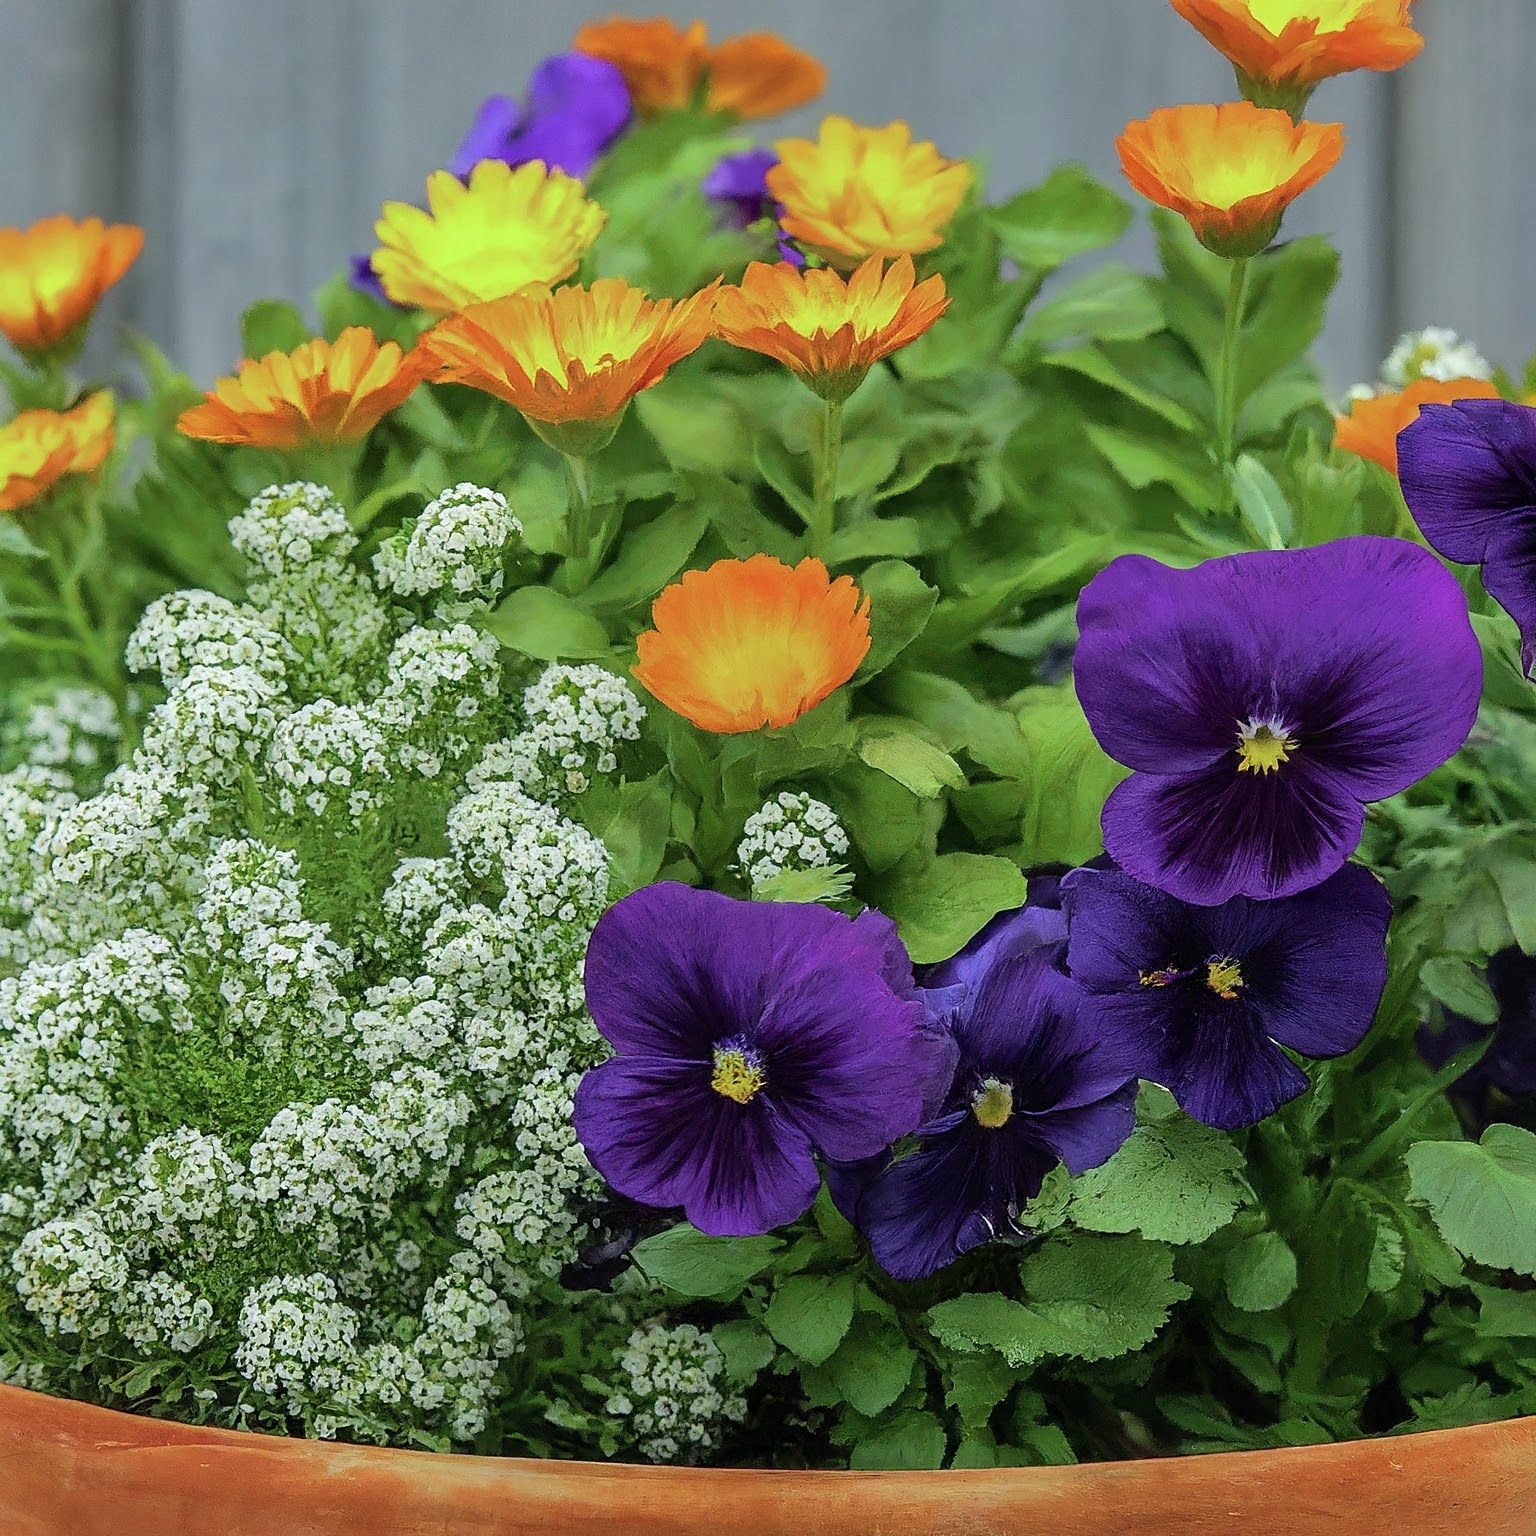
(256, 139)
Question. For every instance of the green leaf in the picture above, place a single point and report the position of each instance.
(913, 1442)
(1460, 988)
(1261, 1273)
(636, 837)
(1176, 1181)
(1262, 503)
(649, 558)
(919, 765)
(1287, 299)
(686, 1261)
(14, 540)
(696, 426)
(1141, 460)
(1481, 1194)
(747, 1349)
(900, 602)
(872, 1366)
(541, 623)
(940, 903)
(828, 882)
(810, 1314)
(1068, 214)
(1088, 1297)
(1069, 779)
(1110, 304)
(977, 1384)
(272, 325)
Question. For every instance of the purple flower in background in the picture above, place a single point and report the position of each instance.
(1040, 1081)
(577, 106)
(1263, 699)
(1468, 473)
(1210, 994)
(749, 1035)
(1509, 1064)
(739, 183)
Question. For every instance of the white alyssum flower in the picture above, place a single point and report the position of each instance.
(1433, 353)
(328, 756)
(790, 832)
(454, 551)
(72, 726)
(439, 697)
(191, 629)
(672, 1390)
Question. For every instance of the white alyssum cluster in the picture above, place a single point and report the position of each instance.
(792, 831)
(70, 727)
(674, 1393)
(454, 551)
(295, 1013)
(1433, 353)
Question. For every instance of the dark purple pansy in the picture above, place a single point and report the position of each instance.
(748, 1037)
(1468, 473)
(1263, 699)
(576, 107)
(1509, 1063)
(1039, 1082)
(739, 183)
(1210, 994)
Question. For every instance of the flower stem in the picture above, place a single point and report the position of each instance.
(1226, 366)
(1400, 1129)
(826, 451)
(90, 644)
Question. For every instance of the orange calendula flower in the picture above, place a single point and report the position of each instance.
(1281, 49)
(1373, 423)
(52, 277)
(507, 231)
(755, 75)
(573, 360)
(322, 393)
(829, 331)
(750, 643)
(1231, 170)
(38, 448)
(854, 192)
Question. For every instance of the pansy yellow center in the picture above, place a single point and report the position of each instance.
(1262, 745)
(1330, 15)
(1224, 976)
(992, 1103)
(738, 1072)
(1163, 978)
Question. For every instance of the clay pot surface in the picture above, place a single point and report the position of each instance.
(71, 1470)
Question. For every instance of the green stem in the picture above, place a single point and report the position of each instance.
(1226, 366)
(1387, 1139)
(93, 648)
(826, 451)
(580, 495)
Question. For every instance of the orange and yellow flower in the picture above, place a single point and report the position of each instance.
(507, 231)
(750, 643)
(1373, 423)
(1281, 49)
(828, 331)
(52, 277)
(324, 392)
(855, 192)
(38, 448)
(755, 75)
(1231, 170)
(575, 356)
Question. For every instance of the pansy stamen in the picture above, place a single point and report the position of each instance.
(1224, 976)
(1262, 745)
(992, 1103)
(739, 1071)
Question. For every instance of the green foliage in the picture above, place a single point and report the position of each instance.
(1482, 1195)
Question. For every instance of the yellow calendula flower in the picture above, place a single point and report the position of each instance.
(323, 392)
(854, 192)
(752, 643)
(571, 361)
(52, 277)
(828, 331)
(508, 230)
(38, 448)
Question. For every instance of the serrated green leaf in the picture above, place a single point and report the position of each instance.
(810, 1314)
(914, 1441)
(919, 765)
(687, 1261)
(1176, 1182)
(827, 883)
(940, 903)
(1481, 1194)
(977, 1384)
(872, 1365)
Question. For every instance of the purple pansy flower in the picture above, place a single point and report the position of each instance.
(749, 1036)
(739, 183)
(1468, 473)
(1039, 1082)
(1210, 994)
(1509, 1064)
(577, 106)
(1263, 699)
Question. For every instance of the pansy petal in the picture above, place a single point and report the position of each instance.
(1509, 575)
(659, 1135)
(1219, 834)
(1468, 473)
(1089, 1134)
(1009, 935)
(1117, 928)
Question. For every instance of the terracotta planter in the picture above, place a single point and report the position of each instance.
(68, 1470)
